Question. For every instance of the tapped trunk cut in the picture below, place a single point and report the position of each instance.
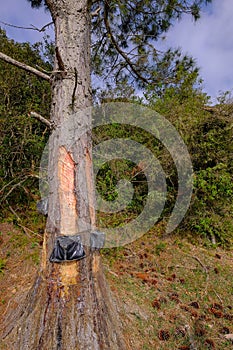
(69, 305)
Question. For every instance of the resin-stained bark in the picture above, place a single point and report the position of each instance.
(69, 306)
(67, 198)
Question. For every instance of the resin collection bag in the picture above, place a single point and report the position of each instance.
(67, 248)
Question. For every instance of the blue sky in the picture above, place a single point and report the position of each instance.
(209, 41)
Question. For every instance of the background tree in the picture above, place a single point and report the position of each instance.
(207, 132)
(69, 305)
(23, 138)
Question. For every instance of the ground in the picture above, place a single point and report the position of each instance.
(172, 292)
(19, 260)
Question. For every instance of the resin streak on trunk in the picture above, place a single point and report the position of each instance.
(67, 199)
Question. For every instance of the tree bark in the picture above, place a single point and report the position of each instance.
(69, 306)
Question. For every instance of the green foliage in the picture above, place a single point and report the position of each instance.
(212, 153)
(125, 38)
(124, 51)
(159, 248)
(22, 138)
(21, 91)
(37, 3)
(122, 169)
(214, 183)
(207, 135)
(2, 265)
(213, 204)
(207, 132)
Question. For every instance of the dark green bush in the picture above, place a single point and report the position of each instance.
(22, 138)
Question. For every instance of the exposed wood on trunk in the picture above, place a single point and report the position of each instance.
(67, 199)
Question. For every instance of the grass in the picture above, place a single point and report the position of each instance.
(175, 295)
(19, 256)
(172, 293)
(2, 265)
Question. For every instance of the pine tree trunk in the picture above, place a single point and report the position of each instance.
(69, 306)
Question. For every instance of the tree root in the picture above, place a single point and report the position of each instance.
(66, 314)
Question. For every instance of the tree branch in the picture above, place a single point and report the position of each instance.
(96, 12)
(43, 28)
(14, 186)
(210, 109)
(28, 28)
(24, 66)
(25, 229)
(42, 119)
(114, 42)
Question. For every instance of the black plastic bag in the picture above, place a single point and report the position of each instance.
(67, 248)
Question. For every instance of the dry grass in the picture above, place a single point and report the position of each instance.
(175, 295)
(172, 294)
(20, 253)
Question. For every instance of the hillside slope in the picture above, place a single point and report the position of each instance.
(172, 293)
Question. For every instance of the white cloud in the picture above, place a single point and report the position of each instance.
(210, 42)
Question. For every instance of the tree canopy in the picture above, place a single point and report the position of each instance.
(22, 137)
(119, 31)
(125, 41)
(69, 305)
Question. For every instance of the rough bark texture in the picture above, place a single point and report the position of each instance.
(69, 306)
(67, 312)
